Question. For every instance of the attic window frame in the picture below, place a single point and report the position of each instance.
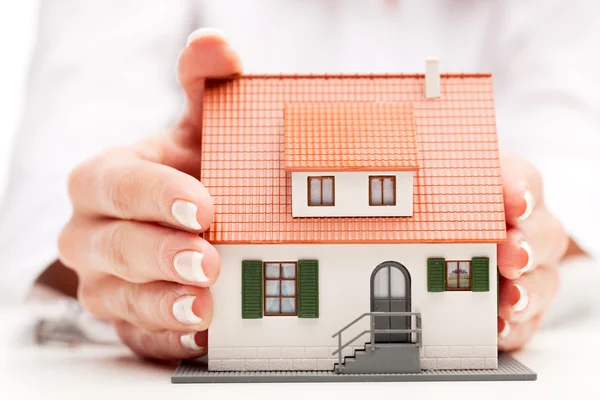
(321, 178)
(381, 178)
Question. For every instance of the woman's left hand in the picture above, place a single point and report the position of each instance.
(528, 260)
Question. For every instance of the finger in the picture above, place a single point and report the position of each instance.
(120, 185)
(207, 55)
(154, 306)
(164, 345)
(547, 237)
(529, 295)
(138, 252)
(522, 186)
(540, 240)
(514, 336)
(515, 256)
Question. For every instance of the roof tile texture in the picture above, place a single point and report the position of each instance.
(350, 136)
(457, 188)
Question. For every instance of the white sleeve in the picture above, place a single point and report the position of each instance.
(103, 74)
(548, 104)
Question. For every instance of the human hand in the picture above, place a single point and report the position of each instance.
(528, 260)
(137, 211)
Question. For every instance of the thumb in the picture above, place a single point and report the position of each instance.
(207, 54)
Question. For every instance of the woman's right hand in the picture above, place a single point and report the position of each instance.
(137, 212)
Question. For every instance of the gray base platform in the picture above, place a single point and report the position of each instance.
(509, 369)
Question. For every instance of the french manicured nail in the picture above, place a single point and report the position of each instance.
(184, 212)
(505, 331)
(527, 247)
(188, 341)
(204, 32)
(182, 310)
(523, 301)
(188, 265)
(529, 205)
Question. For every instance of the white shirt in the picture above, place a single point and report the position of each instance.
(103, 74)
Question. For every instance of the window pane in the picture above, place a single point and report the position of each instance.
(272, 306)
(327, 191)
(398, 283)
(272, 288)
(289, 271)
(388, 191)
(288, 306)
(288, 288)
(380, 283)
(272, 271)
(375, 191)
(465, 274)
(452, 279)
(315, 191)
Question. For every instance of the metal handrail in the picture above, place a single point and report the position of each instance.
(373, 331)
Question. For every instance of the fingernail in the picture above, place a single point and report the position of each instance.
(188, 265)
(184, 212)
(505, 331)
(523, 301)
(527, 247)
(529, 205)
(204, 32)
(188, 341)
(182, 310)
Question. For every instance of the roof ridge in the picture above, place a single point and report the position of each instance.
(356, 75)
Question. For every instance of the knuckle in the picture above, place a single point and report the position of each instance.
(147, 341)
(164, 193)
(86, 293)
(168, 245)
(78, 179)
(127, 297)
(114, 248)
(535, 175)
(122, 189)
(66, 246)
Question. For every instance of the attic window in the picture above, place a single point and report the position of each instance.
(382, 190)
(321, 191)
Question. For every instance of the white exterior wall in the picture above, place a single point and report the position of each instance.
(459, 328)
(352, 195)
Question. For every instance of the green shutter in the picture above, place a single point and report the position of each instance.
(252, 289)
(481, 274)
(308, 289)
(436, 277)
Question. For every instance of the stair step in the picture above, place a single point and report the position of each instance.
(393, 359)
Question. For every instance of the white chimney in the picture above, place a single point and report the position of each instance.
(432, 77)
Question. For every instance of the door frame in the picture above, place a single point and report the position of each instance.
(407, 283)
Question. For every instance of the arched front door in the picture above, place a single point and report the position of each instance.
(390, 291)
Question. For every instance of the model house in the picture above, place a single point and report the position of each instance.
(357, 218)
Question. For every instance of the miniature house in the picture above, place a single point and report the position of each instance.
(357, 219)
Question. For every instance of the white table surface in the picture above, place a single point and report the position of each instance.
(565, 358)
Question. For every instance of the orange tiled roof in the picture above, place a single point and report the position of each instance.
(457, 188)
(358, 136)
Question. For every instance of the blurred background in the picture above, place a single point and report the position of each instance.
(17, 34)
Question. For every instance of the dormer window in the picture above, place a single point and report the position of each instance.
(351, 159)
(321, 191)
(382, 190)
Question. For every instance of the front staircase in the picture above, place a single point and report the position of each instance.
(381, 358)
